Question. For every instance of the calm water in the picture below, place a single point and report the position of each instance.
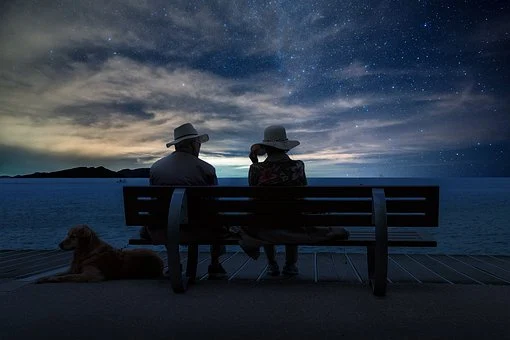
(36, 213)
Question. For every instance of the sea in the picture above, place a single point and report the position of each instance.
(36, 213)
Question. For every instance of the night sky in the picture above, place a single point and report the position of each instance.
(369, 88)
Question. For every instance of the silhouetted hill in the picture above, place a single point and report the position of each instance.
(90, 172)
(135, 173)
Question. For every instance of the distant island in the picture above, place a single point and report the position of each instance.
(88, 172)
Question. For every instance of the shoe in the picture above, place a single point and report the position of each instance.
(144, 234)
(290, 270)
(216, 272)
(273, 269)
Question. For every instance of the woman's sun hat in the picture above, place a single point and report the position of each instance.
(274, 136)
(187, 131)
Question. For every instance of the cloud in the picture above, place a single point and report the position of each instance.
(354, 70)
(112, 81)
(134, 114)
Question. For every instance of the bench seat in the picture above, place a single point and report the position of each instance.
(356, 238)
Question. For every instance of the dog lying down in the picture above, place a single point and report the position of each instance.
(95, 260)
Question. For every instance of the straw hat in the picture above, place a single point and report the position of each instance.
(187, 131)
(276, 137)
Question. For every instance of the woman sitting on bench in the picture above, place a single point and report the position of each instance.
(277, 170)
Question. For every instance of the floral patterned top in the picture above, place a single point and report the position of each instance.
(284, 172)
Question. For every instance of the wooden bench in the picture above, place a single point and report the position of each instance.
(198, 215)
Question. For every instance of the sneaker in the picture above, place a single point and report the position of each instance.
(290, 270)
(273, 269)
(144, 234)
(216, 271)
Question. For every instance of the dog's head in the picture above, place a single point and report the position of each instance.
(79, 236)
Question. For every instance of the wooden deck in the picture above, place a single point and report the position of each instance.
(28, 265)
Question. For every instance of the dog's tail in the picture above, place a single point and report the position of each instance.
(155, 269)
(146, 264)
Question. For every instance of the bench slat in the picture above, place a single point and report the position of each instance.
(289, 221)
(360, 238)
(313, 191)
(308, 205)
(146, 199)
(260, 220)
(150, 220)
(281, 193)
(430, 192)
(352, 242)
(264, 206)
(304, 220)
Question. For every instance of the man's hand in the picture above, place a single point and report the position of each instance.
(253, 157)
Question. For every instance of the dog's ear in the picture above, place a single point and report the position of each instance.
(74, 231)
(83, 231)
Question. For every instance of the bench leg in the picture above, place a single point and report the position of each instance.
(377, 271)
(177, 213)
(191, 267)
(178, 281)
(377, 255)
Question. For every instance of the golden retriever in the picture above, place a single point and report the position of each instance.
(95, 260)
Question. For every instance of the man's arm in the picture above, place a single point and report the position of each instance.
(305, 180)
(152, 179)
(214, 179)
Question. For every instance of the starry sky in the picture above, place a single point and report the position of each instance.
(370, 88)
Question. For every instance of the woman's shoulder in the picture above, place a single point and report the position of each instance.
(288, 163)
(285, 163)
(297, 163)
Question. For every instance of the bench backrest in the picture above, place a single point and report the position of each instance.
(406, 206)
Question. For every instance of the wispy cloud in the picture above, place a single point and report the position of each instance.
(111, 82)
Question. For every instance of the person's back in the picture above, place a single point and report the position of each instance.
(182, 168)
(278, 169)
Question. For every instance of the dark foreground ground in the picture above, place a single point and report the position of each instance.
(263, 310)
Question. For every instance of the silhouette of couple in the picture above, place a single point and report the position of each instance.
(183, 167)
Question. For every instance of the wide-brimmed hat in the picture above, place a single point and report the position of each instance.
(187, 131)
(276, 137)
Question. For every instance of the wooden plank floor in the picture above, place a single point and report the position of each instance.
(314, 267)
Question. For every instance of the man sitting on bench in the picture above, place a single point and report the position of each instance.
(183, 167)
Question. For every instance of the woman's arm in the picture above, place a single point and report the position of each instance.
(253, 175)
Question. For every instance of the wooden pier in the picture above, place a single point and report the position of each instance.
(25, 266)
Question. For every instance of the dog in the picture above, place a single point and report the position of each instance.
(95, 260)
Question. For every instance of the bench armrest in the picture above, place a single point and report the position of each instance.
(378, 256)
